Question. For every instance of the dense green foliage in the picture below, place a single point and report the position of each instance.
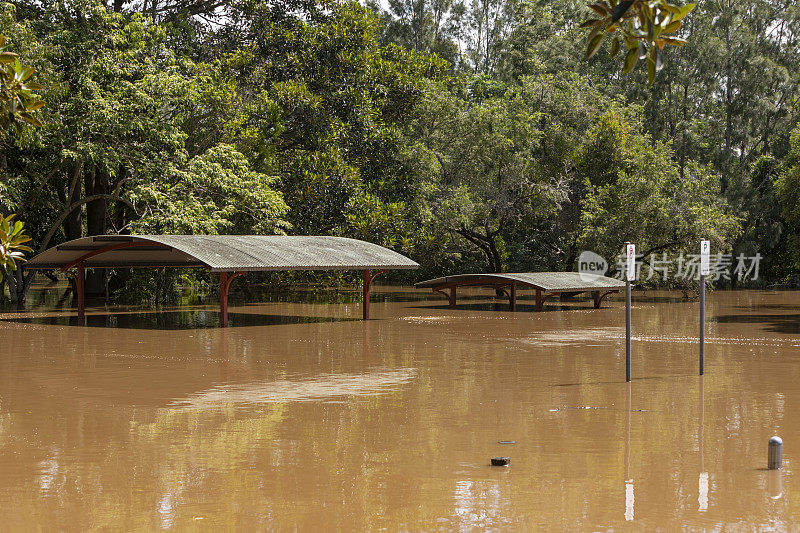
(467, 135)
(12, 245)
(643, 27)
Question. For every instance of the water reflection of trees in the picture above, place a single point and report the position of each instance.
(144, 437)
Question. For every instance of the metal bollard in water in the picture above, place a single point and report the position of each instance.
(775, 459)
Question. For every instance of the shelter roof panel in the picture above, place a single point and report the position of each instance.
(225, 253)
(546, 281)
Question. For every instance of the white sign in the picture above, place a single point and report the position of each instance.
(630, 262)
(705, 257)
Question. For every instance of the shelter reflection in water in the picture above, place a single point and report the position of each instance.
(339, 424)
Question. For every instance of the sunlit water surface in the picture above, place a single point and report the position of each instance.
(300, 417)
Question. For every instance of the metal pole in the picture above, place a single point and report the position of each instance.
(629, 493)
(628, 331)
(702, 479)
(702, 325)
(775, 455)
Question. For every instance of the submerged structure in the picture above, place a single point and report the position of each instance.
(228, 255)
(546, 284)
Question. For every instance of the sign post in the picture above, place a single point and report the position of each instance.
(705, 270)
(630, 275)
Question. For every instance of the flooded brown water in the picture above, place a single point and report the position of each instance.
(298, 417)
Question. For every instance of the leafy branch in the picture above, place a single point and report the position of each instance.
(12, 247)
(17, 98)
(643, 26)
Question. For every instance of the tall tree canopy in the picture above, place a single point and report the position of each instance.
(467, 134)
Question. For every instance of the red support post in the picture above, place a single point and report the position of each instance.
(598, 298)
(225, 281)
(365, 294)
(80, 283)
(513, 296)
(453, 297)
(368, 279)
(539, 300)
(223, 299)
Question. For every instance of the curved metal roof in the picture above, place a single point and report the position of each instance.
(222, 253)
(546, 281)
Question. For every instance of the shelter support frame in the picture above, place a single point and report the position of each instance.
(225, 280)
(369, 277)
(228, 255)
(510, 290)
(80, 270)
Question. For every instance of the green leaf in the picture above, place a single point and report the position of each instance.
(30, 119)
(630, 59)
(685, 10)
(675, 41)
(38, 104)
(657, 56)
(651, 71)
(600, 9)
(591, 22)
(615, 46)
(594, 45)
(672, 27)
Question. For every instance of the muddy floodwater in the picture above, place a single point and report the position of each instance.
(301, 417)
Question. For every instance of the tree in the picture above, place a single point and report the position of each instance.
(12, 246)
(125, 112)
(18, 103)
(642, 197)
(18, 100)
(642, 26)
(485, 165)
(788, 188)
(323, 103)
(217, 193)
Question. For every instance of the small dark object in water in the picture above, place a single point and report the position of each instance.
(500, 461)
(507, 442)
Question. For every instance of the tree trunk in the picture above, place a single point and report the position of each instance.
(72, 224)
(96, 181)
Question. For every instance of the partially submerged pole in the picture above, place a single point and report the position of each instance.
(705, 269)
(369, 277)
(628, 331)
(702, 480)
(630, 275)
(513, 296)
(80, 288)
(702, 324)
(223, 299)
(365, 294)
(775, 455)
(629, 494)
(225, 280)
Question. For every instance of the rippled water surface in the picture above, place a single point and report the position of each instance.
(301, 417)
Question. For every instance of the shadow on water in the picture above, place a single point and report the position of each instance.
(775, 323)
(770, 307)
(502, 306)
(175, 320)
(646, 378)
